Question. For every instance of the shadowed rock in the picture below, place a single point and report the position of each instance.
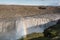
(58, 21)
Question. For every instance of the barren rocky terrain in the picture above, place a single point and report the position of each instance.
(11, 11)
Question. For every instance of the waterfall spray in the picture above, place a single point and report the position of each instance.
(25, 27)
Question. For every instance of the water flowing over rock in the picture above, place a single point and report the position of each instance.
(35, 23)
(7, 29)
(12, 29)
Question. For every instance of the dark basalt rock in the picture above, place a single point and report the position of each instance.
(42, 7)
(58, 21)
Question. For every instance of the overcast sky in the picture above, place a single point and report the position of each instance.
(31, 2)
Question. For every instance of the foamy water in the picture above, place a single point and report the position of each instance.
(14, 29)
(37, 23)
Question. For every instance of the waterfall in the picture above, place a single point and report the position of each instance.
(12, 29)
(24, 24)
(7, 29)
(27, 25)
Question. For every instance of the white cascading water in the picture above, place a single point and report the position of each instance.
(14, 29)
(7, 29)
(29, 25)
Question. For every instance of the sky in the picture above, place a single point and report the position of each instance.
(31, 2)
